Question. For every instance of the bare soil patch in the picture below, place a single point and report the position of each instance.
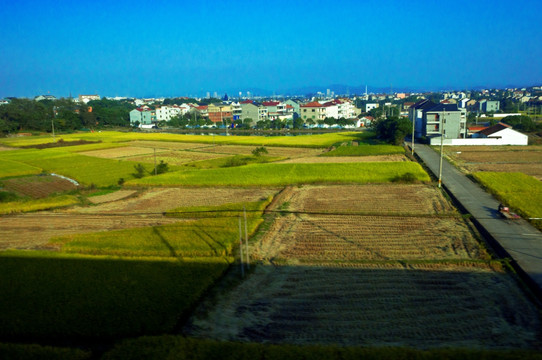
(38, 186)
(5, 148)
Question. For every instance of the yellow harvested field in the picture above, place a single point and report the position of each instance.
(159, 200)
(417, 280)
(415, 199)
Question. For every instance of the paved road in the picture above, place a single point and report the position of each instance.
(519, 239)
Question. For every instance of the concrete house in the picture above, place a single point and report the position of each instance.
(433, 120)
(488, 106)
(296, 108)
(313, 111)
(145, 118)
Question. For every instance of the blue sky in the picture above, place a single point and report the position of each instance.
(175, 48)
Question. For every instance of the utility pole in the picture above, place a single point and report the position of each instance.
(246, 237)
(413, 129)
(53, 126)
(441, 150)
(241, 249)
(155, 161)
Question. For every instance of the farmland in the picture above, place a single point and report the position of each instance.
(525, 159)
(343, 254)
(421, 279)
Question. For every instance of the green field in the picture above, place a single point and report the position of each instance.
(86, 170)
(14, 168)
(286, 174)
(521, 192)
(59, 296)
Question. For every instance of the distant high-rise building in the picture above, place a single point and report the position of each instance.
(208, 94)
(328, 92)
(215, 95)
(248, 94)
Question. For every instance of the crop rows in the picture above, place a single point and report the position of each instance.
(381, 199)
(379, 305)
(336, 237)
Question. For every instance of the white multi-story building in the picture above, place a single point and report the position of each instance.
(165, 113)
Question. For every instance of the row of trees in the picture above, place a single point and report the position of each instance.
(63, 114)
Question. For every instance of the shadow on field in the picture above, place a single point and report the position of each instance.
(54, 298)
(379, 304)
(78, 298)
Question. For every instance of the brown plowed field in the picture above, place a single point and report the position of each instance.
(371, 280)
(177, 157)
(38, 186)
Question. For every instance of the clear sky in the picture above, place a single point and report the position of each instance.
(175, 48)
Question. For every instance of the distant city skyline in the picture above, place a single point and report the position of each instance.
(135, 48)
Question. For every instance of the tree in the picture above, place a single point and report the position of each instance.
(522, 122)
(162, 167)
(139, 171)
(259, 151)
(393, 130)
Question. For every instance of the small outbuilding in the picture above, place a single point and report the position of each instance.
(503, 135)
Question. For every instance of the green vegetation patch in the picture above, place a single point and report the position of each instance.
(365, 150)
(48, 295)
(38, 204)
(177, 347)
(285, 174)
(85, 169)
(521, 192)
(15, 168)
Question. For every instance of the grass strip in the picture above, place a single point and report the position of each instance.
(287, 174)
(521, 192)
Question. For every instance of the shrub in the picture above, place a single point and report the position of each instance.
(140, 171)
(406, 178)
(259, 151)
